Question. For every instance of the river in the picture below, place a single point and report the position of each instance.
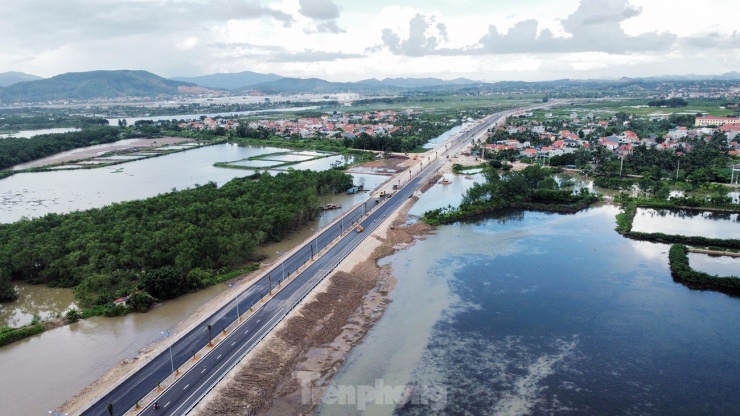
(538, 313)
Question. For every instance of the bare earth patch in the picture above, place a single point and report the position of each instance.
(87, 153)
(318, 335)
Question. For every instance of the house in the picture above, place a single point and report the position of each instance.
(716, 121)
(678, 133)
(611, 142)
(529, 152)
(624, 150)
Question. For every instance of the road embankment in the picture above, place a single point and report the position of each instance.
(318, 335)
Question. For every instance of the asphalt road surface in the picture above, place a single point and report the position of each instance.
(190, 387)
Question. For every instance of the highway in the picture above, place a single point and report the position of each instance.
(191, 386)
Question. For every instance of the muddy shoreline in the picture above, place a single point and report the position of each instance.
(320, 334)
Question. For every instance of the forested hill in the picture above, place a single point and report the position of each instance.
(10, 78)
(166, 245)
(95, 84)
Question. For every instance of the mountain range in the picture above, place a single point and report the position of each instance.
(235, 81)
(16, 87)
(10, 78)
(96, 84)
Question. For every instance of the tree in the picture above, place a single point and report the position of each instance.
(72, 315)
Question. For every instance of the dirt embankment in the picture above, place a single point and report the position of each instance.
(319, 335)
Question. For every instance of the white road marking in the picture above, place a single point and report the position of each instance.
(168, 403)
(204, 370)
(188, 385)
(219, 356)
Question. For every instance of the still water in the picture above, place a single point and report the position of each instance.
(538, 313)
(432, 143)
(715, 265)
(684, 222)
(44, 371)
(38, 193)
(26, 134)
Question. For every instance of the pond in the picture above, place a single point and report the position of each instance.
(687, 222)
(33, 194)
(715, 265)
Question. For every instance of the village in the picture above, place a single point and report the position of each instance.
(590, 133)
(336, 125)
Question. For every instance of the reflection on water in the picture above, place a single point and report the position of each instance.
(715, 265)
(39, 193)
(687, 222)
(549, 314)
(26, 134)
(50, 368)
(46, 302)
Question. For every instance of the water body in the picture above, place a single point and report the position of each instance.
(539, 313)
(684, 222)
(715, 265)
(35, 194)
(45, 302)
(27, 134)
(44, 371)
(442, 138)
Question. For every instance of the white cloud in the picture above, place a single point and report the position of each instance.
(354, 39)
(319, 9)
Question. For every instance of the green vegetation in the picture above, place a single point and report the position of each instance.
(682, 272)
(457, 168)
(625, 218)
(14, 123)
(671, 102)
(532, 188)
(9, 335)
(93, 84)
(166, 245)
(14, 151)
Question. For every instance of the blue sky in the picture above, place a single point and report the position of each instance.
(357, 39)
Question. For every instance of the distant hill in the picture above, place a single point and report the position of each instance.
(96, 84)
(416, 82)
(310, 86)
(233, 81)
(10, 78)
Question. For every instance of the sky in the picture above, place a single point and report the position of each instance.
(352, 40)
